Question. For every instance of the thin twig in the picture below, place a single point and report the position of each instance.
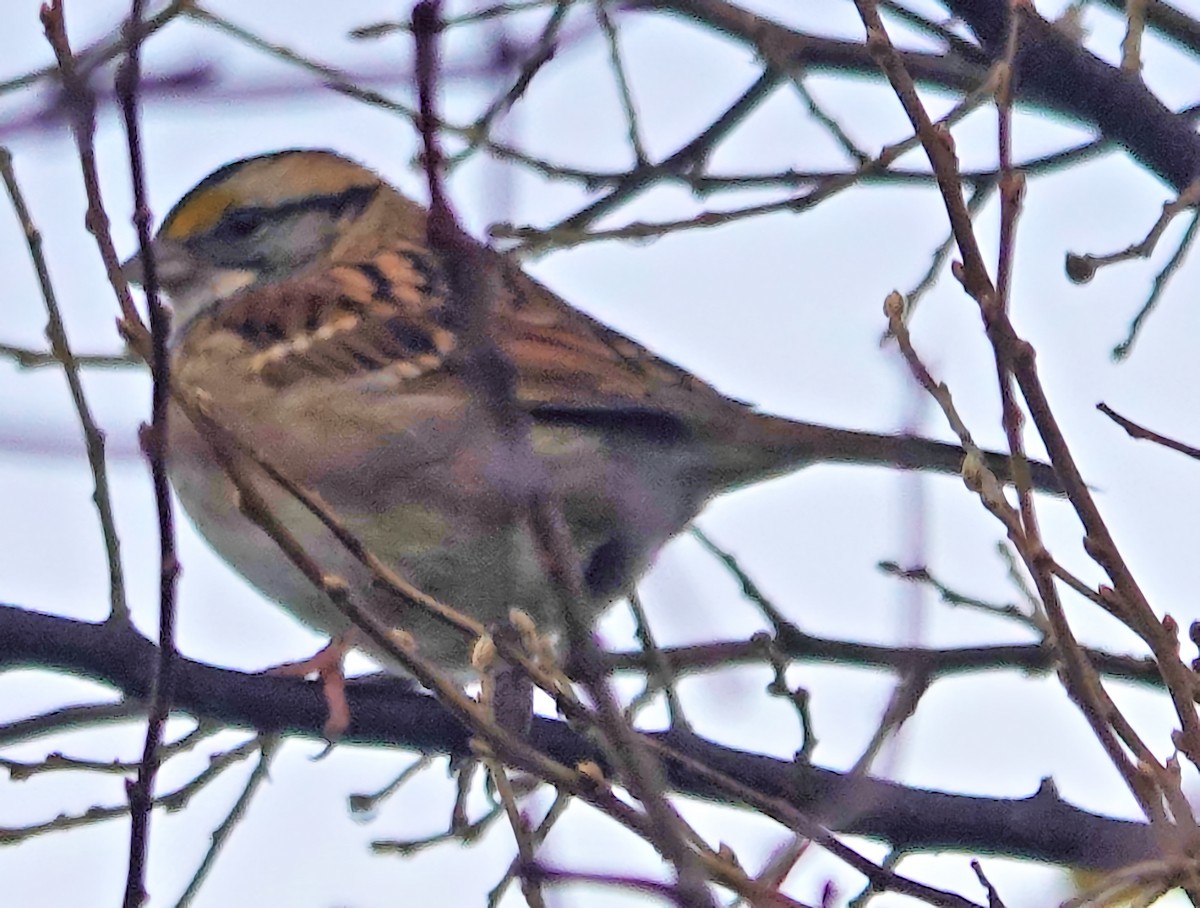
(785, 813)
(569, 232)
(57, 762)
(537, 835)
(495, 11)
(797, 697)
(173, 800)
(28, 358)
(154, 445)
(832, 126)
(526, 842)
(267, 749)
(902, 705)
(624, 91)
(464, 834)
(750, 589)
(362, 804)
(99, 52)
(541, 53)
(1141, 432)
(659, 675)
(69, 718)
(783, 861)
(953, 597)
(994, 900)
(60, 352)
(995, 307)
(1082, 268)
(1122, 350)
(689, 158)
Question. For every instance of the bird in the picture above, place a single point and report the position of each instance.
(314, 318)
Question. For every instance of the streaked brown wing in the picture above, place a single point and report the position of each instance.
(389, 312)
(385, 313)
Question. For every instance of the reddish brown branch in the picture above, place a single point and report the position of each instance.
(154, 445)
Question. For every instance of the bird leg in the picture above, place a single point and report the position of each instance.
(327, 666)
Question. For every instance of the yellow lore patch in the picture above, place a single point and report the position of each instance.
(199, 214)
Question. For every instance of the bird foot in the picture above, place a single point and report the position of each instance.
(327, 666)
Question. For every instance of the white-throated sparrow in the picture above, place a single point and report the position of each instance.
(311, 314)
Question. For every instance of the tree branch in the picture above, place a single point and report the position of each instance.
(1051, 71)
(387, 711)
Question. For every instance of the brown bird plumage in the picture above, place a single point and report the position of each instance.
(314, 317)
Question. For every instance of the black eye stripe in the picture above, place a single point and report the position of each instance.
(239, 223)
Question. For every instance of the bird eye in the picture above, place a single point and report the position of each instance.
(239, 224)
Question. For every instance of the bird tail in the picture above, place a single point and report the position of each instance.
(772, 446)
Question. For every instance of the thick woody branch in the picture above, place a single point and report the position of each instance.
(384, 712)
(1051, 71)
(1052, 67)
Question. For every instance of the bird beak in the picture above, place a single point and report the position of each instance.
(132, 269)
(170, 264)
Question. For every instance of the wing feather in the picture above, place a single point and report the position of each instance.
(389, 312)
